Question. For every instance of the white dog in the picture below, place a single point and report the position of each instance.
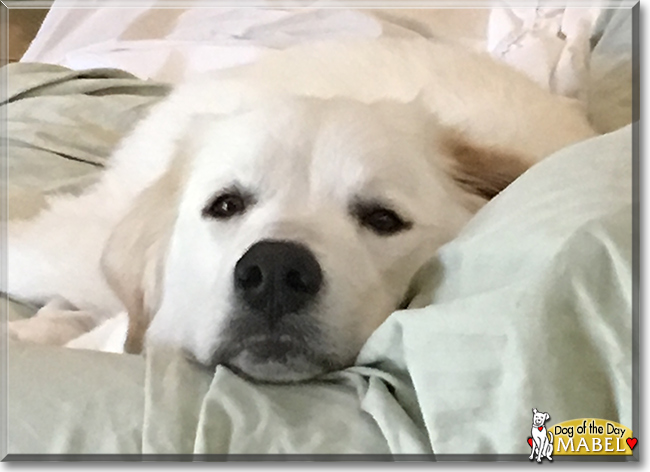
(270, 217)
(542, 439)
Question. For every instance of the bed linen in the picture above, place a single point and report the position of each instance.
(534, 310)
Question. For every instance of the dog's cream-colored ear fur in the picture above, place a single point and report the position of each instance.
(134, 256)
(482, 170)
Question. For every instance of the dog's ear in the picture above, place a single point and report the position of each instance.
(482, 170)
(134, 256)
(548, 417)
(534, 411)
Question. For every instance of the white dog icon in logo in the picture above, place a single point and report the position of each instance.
(542, 440)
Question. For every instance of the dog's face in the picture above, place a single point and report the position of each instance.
(298, 229)
(539, 418)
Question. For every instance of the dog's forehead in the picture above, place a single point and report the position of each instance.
(333, 147)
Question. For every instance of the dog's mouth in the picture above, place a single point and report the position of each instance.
(276, 360)
(290, 352)
(271, 347)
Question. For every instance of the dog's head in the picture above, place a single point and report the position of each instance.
(281, 236)
(539, 418)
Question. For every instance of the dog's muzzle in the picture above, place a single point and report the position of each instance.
(273, 334)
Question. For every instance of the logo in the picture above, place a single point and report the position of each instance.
(579, 437)
(541, 442)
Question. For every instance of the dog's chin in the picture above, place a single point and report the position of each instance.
(269, 360)
(290, 370)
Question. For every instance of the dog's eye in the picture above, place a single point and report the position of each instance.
(381, 220)
(226, 206)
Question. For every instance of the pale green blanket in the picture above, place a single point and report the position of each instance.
(532, 309)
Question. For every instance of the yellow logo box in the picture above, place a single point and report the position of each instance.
(593, 437)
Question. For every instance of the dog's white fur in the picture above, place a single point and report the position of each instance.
(428, 128)
(542, 439)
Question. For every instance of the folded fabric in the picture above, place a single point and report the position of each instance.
(529, 307)
(549, 44)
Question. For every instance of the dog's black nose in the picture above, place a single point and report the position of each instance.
(276, 278)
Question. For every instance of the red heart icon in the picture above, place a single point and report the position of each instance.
(530, 442)
(541, 428)
(631, 442)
